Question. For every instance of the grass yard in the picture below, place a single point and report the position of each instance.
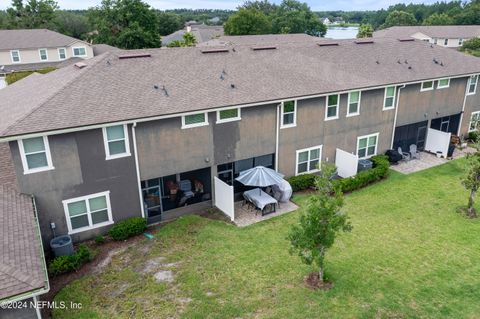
(409, 255)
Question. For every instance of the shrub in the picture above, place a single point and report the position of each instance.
(473, 136)
(63, 264)
(302, 182)
(99, 240)
(128, 228)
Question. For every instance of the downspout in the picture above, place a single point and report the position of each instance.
(396, 113)
(277, 136)
(463, 109)
(137, 169)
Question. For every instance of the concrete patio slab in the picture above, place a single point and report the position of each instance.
(245, 215)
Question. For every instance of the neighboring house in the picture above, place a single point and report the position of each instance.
(23, 272)
(451, 36)
(102, 48)
(94, 148)
(201, 32)
(325, 20)
(263, 39)
(30, 49)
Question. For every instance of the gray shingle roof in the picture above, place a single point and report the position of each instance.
(38, 66)
(110, 89)
(261, 39)
(102, 48)
(438, 31)
(202, 33)
(34, 38)
(21, 258)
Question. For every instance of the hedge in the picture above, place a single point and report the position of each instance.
(128, 228)
(63, 264)
(362, 179)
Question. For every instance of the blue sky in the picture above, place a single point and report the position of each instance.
(231, 4)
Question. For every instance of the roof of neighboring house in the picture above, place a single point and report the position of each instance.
(22, 264)
(110, 89)
(102, 48)
(202, 33)
(437, 31)
(261, 39)
(38, 66)
(33, 39)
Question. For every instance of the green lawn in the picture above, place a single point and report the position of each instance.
(409, 255)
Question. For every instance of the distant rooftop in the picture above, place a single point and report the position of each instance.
(33, 39)
(438, 31)
(201, 32)
(260, 39)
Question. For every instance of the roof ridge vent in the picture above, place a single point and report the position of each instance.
(80, 65)
(367, 41)
(265, 47)
(220, 50)
(328, 44)
(406, 39)
(135, 56)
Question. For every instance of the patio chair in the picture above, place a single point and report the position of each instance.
(413, 152)
(405, 155)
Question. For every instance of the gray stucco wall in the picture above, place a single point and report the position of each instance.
(80, 169)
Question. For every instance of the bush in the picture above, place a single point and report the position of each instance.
(63, 264)
(364, 178)
(128, 228)
(99, 240)
(302, 182)
(473, 136)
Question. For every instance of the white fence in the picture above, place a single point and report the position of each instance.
(437, 141)
(347, 163)
(224, 198)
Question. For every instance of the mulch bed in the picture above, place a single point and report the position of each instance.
(312, 281)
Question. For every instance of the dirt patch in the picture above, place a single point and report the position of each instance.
(312, 281)
(164, 276)
(151, 265)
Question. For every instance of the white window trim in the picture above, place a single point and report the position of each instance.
(40, 54)
(232, 119)
(337, 107)
(469, 83)
(184, 126)
(107, 149)
(385, 98)
(367, 136)
(80, 47)
(319, 160)
(19, 58)
(282, 126)
(470, 123)
(23, 156)
(444, 86)
(58, 51)
(359, 103)
(422, 89)
(89, 215)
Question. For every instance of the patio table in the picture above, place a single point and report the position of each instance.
(261, 200)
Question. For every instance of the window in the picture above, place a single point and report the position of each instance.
(289, 114)
(460, 42)
(472, 84)
(367, 145)
(445, 42)
(443, 83)
(43, 54)
(308, 160)
(62, 54)
(88, 212)
(474, 122)
(116, 143)
(15, 54)
(35, 154)
(426, 86)
(389, 98)
(332, 107)
(194, 120)
(228, 115)
(354, 103)
(435, 40)
(79, 51)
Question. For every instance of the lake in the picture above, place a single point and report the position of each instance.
(342, 33)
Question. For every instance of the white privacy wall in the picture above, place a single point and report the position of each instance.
(347, 163)
(437, 141)
(224, 198)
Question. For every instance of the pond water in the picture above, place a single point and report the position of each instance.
(342, 33)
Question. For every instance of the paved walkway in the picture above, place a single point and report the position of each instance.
(427, 160)
(244, 215)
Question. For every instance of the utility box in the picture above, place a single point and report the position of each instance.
(62, 245)
(364, 164)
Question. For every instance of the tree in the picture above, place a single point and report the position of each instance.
(72, 24)
(471, 181)
(399, 18)
(438, 19)
(169, 22)
(320, 223)
(126, 24)
(365, 31)
(296, 17)
(189, 40)
(470, 13)
(263, 6)
(247, 22)
(33, 15)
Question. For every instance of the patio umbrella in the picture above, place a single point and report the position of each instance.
(260, 176)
